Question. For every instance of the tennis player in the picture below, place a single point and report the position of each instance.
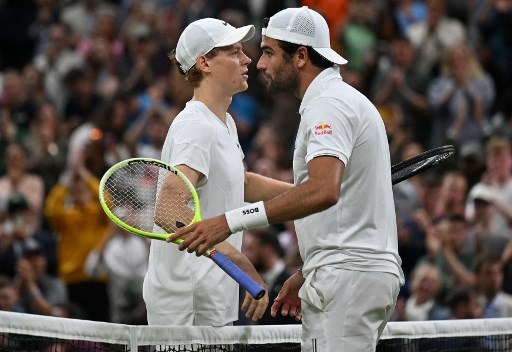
(202, 142)
(342, 201)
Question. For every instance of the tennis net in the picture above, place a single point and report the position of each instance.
(24, 332)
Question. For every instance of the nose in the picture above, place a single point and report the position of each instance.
(260, 65)
(247, 59)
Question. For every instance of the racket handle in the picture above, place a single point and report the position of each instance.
(237, 274)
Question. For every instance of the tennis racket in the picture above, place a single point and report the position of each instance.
(419, 163)
(152, 199)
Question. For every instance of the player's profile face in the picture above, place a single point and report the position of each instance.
(230, 66)
(277, 68)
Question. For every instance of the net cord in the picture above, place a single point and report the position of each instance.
(138, 335)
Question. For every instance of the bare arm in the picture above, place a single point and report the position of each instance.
(318, 193)
(258, 187)
(254, 308)
(462, 275)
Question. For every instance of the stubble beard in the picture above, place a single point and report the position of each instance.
(286, 80)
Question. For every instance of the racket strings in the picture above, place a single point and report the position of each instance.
(175, 204)
(143, 196)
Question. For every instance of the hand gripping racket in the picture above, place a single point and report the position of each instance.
(419, 163)
(152, 199)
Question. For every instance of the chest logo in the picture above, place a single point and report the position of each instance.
(322, 129)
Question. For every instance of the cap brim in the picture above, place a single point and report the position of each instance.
(239, 35)
(331, 55)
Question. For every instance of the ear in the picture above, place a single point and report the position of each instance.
(301, 56)
(203, 64)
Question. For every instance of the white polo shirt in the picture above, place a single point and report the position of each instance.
(359, 232)
(179, 285)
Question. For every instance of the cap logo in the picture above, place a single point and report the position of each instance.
(322, 129)
(224, 23)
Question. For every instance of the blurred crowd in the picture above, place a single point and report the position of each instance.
(87, 83)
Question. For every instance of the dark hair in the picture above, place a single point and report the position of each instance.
(269, 237)
(459, 295)
(291, 48)
(457, 218)
(486, 258)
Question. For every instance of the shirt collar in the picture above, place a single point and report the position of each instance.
(316, 85)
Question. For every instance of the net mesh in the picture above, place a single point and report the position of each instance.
(24, 332)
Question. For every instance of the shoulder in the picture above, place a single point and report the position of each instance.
(192, 121)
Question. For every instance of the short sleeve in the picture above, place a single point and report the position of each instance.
(191, 145)
(332, 129)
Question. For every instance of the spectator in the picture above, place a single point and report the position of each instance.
(82, 15)
(499, 179)
(48, 13)
(19, 182)
(489, 282)
(494, 34)
(426, 282)
(110, 121)
(105, 29)
(483, 235)
(39, 292)
(399, 86)
(464, 304)
(265, 252)
(16, 231)
(16, 101)
(55, 62)
(124, 258)
(452, 195)
(75, 214)
(471, 162)
(136, 67)
(81, 101)
(9, 299)
(461, 98)
(447, 250)
(9, 133)
(358, 38)
(408, 193)
(506, 261)
(417, 229)
(408, 12)
(432, 36)
(47, 145)
(33, 85)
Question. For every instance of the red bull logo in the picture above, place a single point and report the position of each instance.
(322, 129)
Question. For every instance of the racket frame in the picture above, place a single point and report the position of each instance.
(220, 259)
(139, 232)
(442, 153)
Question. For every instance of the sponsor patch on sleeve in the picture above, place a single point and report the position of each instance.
(322, 129)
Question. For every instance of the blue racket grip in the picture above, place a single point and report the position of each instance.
(237, 274)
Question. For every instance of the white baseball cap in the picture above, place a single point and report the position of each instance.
(203, 35)
(303, 26)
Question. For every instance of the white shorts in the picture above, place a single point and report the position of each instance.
(344, 310)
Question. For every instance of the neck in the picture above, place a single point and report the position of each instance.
(215, 99)
(307, 75)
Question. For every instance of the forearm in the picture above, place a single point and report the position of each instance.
(417, 100)
(258, 187)
(240, 260)
(461, 274)
(319, 192)
(38, 302)
(298, 202)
